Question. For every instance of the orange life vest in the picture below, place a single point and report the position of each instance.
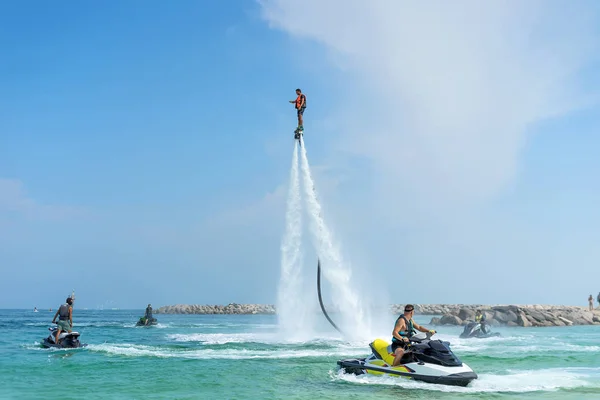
(299, 101)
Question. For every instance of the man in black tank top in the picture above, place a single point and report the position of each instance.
(403, 330)
(65, 318)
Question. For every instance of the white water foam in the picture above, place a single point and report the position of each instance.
(509, 381)
(273, 338)
(345, 298)
(292, 310)
(509, 346)
(222, 338)
(134, 350)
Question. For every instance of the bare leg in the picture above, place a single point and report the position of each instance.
(397, 357)
(301, 120)
(57, 335)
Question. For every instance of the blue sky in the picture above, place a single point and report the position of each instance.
(145, 148)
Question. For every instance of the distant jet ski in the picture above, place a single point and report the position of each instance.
(426, 360)
(476, 330)
(143, 321)
(66, 340)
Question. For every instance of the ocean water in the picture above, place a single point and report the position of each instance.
(244, 357)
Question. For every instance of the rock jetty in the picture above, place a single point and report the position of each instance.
(509, 315)
(231, 308)
(445, 314)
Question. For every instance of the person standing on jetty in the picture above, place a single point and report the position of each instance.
(591, 301)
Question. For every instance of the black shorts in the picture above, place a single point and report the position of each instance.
(301, 111)
(395, 345)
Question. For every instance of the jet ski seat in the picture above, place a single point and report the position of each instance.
(382, 350)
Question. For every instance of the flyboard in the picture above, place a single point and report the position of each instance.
(298, 133)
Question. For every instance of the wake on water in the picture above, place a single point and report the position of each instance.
(295, 304)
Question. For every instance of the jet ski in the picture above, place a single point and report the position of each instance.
(143, 321)
(426, 360)
(66, 340)
(476, 330)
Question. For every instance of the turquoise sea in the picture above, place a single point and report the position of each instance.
(244, 357)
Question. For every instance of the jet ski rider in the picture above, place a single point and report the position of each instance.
(148, 315)
(65, 318)
(404, 329)
(480, 319)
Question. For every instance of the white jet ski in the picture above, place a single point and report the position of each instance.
(425, 360)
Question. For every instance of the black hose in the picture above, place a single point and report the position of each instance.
(321, 299)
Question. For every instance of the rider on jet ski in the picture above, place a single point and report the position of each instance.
(480, 319)
(65, 318)
(403, 330)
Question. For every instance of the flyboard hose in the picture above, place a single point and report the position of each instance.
(321, 298)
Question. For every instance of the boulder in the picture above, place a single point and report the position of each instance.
(522, 320)
(505, 316)
(535, 316)
(466, 314)
(500, 316)
(450, 320)
(566, 321)
(511, 316)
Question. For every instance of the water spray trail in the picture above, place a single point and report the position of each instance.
(345, 299)
(291, 309)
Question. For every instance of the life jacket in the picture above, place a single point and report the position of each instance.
(299, 101)
(410, 329)
(63, 312)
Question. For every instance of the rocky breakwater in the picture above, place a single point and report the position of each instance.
(231, 308)
(516, 315)
(437, 309)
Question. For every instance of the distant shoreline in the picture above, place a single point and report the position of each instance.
(451, 314)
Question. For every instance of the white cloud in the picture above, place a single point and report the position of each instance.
(14, 200)
(440, 98)
(446, 93)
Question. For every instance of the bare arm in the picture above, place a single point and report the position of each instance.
(71, 316)
(421, 328)
(55, 315)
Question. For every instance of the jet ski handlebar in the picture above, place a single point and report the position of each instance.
(414, 339)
